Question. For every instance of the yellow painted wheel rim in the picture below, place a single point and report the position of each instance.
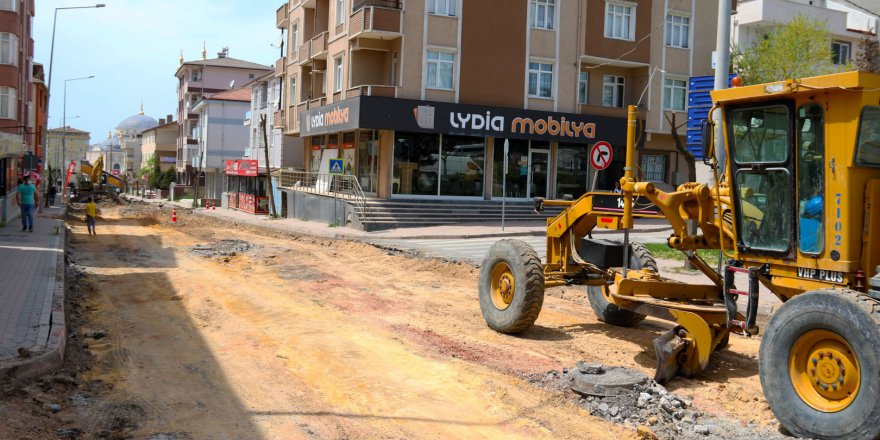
(824, 370)
(503, 285)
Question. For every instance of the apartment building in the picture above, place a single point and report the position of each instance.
(65, 145)
(16, 96)
(419, 96)
(38, 113)
(197, 79)
(846, 24)
(160, 141)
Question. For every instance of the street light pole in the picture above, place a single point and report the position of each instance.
(51, 60)
(64, 121)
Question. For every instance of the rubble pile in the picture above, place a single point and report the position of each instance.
(222, 248)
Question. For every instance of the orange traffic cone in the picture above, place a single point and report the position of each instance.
(174, 214)
(213, 205)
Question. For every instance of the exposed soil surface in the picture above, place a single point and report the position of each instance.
(178, 334)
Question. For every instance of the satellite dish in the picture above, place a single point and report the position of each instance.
(231, 84)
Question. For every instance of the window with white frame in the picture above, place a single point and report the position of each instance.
(340, 11)
(442, 7)
(337, 74)
(620, 20)
(654, 167)
(9, 5)
(8, 49)
(294, 38)
(674, 94)
(542, 13)
(840, 52)
(196, 75)
(678, 29)
(540, 79)
(583, 87)
(291, 91)
(612, 90)
(440, 69)
(8, 103)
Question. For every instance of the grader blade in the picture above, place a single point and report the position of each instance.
(667, 348)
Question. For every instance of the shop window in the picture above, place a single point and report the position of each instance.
(654, 167)
(368, 160)
(462, 161)
(571, 171)
(517, 168)
(416, 164)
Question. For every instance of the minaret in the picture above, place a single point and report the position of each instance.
(142, 108)
(204, 52)
(181, 57)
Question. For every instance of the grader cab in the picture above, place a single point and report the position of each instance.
(796, 208)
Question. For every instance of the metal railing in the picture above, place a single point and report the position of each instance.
(392, 4)
(342, 187)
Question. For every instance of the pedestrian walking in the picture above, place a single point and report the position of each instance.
(91, 215)
(53, 191)
(27, 199)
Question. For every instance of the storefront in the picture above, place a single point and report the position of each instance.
(400, 148)
(245, 187)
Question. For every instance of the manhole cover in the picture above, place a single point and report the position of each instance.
(604, 381)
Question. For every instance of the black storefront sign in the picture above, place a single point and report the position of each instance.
(382, 113)
(614, 203)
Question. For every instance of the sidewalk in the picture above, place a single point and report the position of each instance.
(32, 330)
(459, 231)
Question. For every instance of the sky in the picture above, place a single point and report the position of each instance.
(132, 47)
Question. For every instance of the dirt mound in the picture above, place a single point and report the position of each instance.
(221, 248)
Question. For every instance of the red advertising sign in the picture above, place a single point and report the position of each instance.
(242, 167)
(114, 172)
(70, 170)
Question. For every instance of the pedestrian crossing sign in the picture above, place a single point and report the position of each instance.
(337, 166)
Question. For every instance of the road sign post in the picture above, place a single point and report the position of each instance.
(600, 158)
(504, 183)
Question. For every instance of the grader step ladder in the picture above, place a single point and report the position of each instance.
(795, 207)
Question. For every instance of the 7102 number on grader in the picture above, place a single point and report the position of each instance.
(796, 208)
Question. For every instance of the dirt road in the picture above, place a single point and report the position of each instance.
(306, 338)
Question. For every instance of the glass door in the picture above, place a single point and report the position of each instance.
(539, 161)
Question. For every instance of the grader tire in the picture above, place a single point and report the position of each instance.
(511, 286)
(639, 258)
(819, 365)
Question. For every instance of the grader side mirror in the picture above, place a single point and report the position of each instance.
(708, 147)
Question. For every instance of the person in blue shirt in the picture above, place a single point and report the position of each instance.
(27, 199)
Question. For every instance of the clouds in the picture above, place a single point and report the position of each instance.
(132, 47)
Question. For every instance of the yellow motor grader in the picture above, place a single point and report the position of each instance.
(796, 208)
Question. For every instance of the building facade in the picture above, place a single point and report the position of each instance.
(38, 115)
(16, 97)
(197, 79)
(220, 135)
(130, 134)
(161, 141)
(419, 97)
(65, 145)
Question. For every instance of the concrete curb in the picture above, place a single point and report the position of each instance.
(51, 356)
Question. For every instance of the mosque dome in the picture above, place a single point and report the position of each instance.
(138, 123)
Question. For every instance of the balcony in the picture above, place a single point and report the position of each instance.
(279, 66)
(767, 13)
(371, 90)
(281, 17)
(304, 52)
(318, 46)
(315, 103)
(278, 119)
(247, 118)
(379, 19)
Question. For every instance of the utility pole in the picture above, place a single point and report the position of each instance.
(268, 177)
(722, 73)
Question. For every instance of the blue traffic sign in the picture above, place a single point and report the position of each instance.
(337, 166)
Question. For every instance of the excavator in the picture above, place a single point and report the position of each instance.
(794, 206)
(94, 175)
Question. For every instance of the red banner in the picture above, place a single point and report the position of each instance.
(242, 167)
(70, 170)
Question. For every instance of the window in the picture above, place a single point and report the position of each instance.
(442, 7)
(196, 75)
(840, 51)
(8, 103)
(583, 86)
(294, 38)
(619, 21)
(811, 179)
(291, 92)
(337, 75)
(340, 11)
(8, 49)
(612, 91)
(542, 13)
(674, 94)
(540, 80)
(868, 142)
(677, 31)
(571, 170)
(760, 135)
(654, 167)
(9, 5)
(439, 71)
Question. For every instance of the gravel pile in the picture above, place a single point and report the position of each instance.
(645, 406)
(222, 248)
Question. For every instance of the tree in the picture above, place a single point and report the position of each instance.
(798, 49)
(869, 56)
